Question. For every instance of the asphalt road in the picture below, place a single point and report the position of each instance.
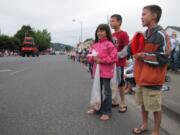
(50, 95)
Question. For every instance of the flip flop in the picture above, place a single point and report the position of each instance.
(138, 131)
(115, 105)
(122, 108)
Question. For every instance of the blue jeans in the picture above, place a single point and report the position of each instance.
(176, 56)
(106, 96)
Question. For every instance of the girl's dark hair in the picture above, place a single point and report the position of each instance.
(106, 28)
(155, 9)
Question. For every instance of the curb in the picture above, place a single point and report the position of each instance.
(172, 113)
(174, 73)
(168, 114)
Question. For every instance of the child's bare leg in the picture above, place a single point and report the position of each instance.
(122, 95)
(143, 127)
(122, 105)
(157, 122)
(126, 88)
(144, 114)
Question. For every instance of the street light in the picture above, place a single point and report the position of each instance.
(81, 23)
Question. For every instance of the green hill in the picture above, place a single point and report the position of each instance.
(61, 46)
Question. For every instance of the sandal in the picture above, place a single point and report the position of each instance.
(123, 109)
(104, 117)
(115, 105)
(138, 131)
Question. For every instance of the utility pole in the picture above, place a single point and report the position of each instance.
(108, 20)
(81, 23)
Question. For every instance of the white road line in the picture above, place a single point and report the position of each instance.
(5, 70)
(16, 72)
(13, 73)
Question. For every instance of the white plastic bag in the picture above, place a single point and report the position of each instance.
(94, 53)
(95, 101)
(114, 87)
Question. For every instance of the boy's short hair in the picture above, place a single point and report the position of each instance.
(118, 17)
(155, 9)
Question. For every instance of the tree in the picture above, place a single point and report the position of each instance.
(21, 33)
(9, 43)
(4, 41)
(68, 48)
(16, 44)
(43, 39)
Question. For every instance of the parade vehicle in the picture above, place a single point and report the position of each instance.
(29, 47)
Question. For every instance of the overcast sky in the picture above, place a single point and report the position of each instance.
(57, 16)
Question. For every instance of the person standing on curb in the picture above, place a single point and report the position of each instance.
(121, 41)
(150, 69)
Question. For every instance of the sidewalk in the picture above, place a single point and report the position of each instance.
(170, 107)
(171, 99)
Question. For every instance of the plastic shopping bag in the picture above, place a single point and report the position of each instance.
(114, 87)
(94, 53)
(95, 101)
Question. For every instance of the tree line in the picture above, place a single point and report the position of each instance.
(42, 39)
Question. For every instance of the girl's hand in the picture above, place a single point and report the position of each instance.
(96, 59)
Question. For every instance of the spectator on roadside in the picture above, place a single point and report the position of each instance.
(129, 77)
(121, 41)
(106, 57)
(150, 69)
(79, 52)
(90, 65)
(175, 54)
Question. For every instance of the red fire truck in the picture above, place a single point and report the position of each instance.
(29, 47)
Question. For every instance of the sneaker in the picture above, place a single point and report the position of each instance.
(165, 88)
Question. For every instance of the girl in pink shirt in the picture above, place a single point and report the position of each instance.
(107, 56)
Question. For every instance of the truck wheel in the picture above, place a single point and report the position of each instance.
(33, 55)
(37, 54)
(23, 54)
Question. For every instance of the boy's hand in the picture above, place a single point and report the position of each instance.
(96, 59)
(139, 55)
